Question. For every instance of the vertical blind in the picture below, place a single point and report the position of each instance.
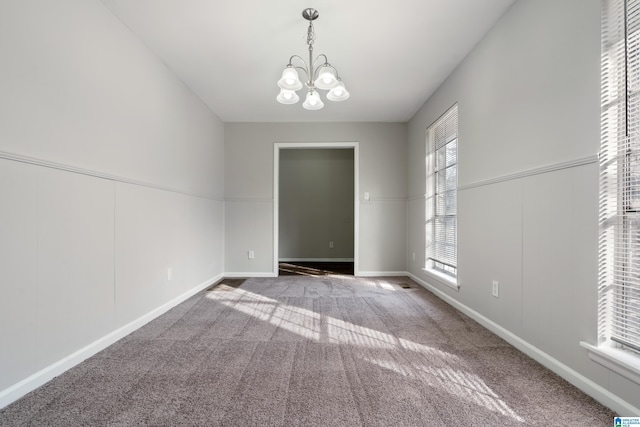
(441, 195)
(619, 251)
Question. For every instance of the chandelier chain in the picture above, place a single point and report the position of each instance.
(311, 34)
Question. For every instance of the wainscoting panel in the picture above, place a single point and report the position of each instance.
(18, 256)
(247, 225)
(165, 242)
(559, 272)
(490, 248)
(75, 262)
(87, 260)
(383, 241)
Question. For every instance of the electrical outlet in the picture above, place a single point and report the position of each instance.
(252, 255)
(414, 256)
(331, 245)
(169, 274)
(495, 290)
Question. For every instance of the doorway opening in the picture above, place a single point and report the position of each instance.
(316, 208)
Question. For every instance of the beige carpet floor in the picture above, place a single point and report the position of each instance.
(310, 351)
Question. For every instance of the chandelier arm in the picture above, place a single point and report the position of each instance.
(298, 57)
(302, 69)
(322, 55)
(297, 67)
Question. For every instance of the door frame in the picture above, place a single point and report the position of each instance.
(277, 146)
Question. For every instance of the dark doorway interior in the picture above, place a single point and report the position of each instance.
(316, 210)
(315, 268)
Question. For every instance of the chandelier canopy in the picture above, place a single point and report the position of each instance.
(319, 75)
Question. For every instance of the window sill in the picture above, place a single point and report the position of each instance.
(620, 361)
(441, 278)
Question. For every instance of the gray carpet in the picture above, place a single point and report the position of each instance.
(310, 351)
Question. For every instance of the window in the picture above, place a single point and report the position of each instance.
(441, 238)
(619, 272)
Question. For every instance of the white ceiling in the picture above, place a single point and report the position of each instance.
(391, 55)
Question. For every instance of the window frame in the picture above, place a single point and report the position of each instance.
(618, 346)
(438, 188)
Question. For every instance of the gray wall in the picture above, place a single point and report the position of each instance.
(110, 174)
(529, 109)
(316, 204)
(249, 152)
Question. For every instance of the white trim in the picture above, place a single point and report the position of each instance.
(441, 278)
(620, 361)
(247, 200)
(382, 273)
(315, 260)
(588, 386)
(249, 274)
(276, 208)
(96, 174)
(535, 171)
(16, 391)
(277, 146)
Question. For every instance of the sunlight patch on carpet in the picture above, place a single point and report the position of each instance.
(308, 324)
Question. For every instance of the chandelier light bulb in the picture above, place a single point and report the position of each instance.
(313, 101)
(326, 80)
(290, 79)
(338, 93)
(287, 97)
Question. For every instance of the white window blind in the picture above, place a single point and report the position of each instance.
(441, 194)
(619, 252)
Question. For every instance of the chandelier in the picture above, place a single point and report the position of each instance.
(319, 75)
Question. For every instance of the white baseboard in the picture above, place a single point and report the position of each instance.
(381, 273)
(315, 260)
(588, 386)
(234, 274)
(44, 375)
